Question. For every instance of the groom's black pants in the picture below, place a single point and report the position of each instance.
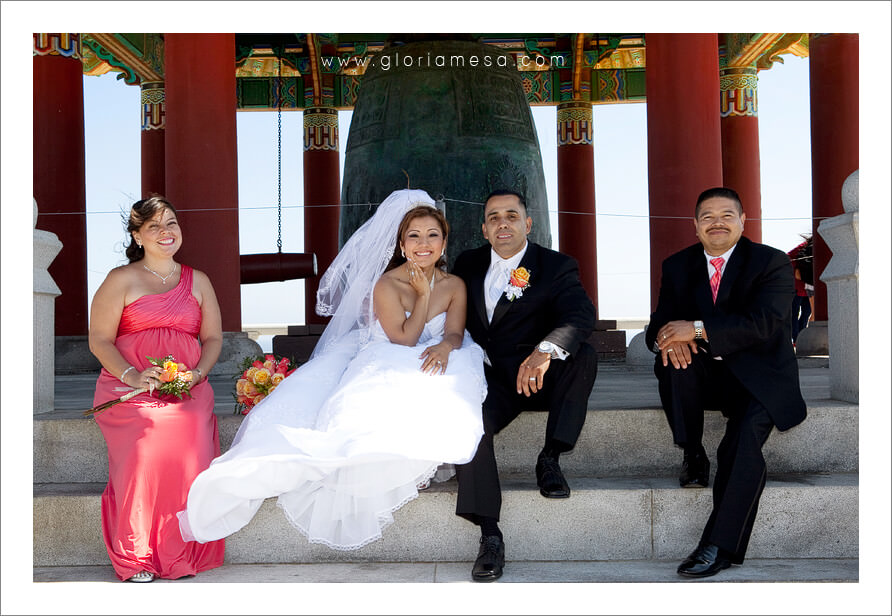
(566, 388)
(740, 469)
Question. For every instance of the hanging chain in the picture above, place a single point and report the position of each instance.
(279, 88)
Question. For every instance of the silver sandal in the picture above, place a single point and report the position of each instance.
(142, 576)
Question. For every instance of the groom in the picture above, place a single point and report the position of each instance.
(530, 313)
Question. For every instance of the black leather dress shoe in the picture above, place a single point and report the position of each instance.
(550, 478)
(490, 559)
(694, 471)
(705, 561)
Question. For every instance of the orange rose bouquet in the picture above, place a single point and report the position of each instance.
(175, 379)
(259, 377)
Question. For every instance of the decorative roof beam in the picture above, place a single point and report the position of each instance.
(316, 78)
(108, 48)
(579, 46)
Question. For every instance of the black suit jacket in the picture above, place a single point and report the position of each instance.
(554, 307)
(749, 324)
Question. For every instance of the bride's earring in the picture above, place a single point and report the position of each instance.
(403, 252)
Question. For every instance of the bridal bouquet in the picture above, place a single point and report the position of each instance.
(259, 377)
(175, 381)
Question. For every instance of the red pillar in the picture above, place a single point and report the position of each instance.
(59, 180)
(576, 190)
(740, 142)
(201, 169)
(152, 138)
(684, 146)
(833, 91)
(322, 193)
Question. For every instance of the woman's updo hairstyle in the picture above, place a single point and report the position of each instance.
(419, 211)
(141, 212)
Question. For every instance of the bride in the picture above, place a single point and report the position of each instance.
(393, 390)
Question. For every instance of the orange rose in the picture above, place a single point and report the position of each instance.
(250, 372)
(269, 365)
(249, 388)
(240, 387)
(168, 376)
(278, 377)
(187, 376)
(520, 277)
(262, 376)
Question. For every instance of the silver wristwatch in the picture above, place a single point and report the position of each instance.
(698, 330)
(547, 347)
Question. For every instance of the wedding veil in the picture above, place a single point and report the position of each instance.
(345, 290)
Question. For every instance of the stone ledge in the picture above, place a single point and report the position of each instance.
(603, 520)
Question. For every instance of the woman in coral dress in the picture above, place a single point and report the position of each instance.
(157, 445)
(392, 394)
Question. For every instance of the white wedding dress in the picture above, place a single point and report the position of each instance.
(344, 441)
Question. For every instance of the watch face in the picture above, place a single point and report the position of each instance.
(546, 347)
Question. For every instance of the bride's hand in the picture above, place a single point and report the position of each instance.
(436, 358)
(417, 279)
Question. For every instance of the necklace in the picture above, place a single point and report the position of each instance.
(163, 278)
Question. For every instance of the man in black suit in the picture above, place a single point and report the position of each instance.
(529, 311)
(721, 332)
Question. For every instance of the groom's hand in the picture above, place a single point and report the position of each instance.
(531, 373)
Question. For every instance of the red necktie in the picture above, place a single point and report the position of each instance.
(716, 277)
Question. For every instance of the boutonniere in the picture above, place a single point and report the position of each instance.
(520, 280)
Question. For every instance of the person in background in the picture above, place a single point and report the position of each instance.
(154, 307)
(801, 259)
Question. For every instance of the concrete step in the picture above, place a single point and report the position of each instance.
(614, 442)
(660, 571)
(616, 519)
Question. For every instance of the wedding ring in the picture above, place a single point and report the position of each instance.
(532, 378)
(671, 351)
(439, 363)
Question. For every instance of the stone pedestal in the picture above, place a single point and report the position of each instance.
(638, 354)
(73, 355)
(813, 340)
(46, 247)
(841, 278)
(236, 346)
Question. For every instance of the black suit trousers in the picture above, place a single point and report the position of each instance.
(740, 469)
(565, 392)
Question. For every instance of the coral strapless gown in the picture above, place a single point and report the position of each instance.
(156, 447)
(344, 441)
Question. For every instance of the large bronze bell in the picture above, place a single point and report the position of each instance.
(453, 116)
